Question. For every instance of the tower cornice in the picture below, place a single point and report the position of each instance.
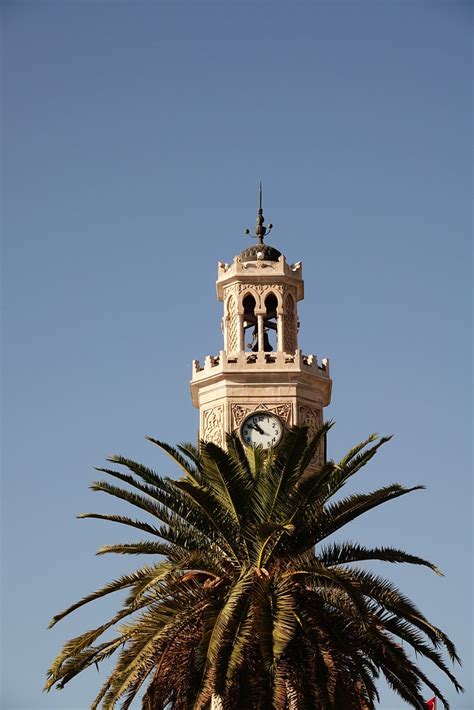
(247, 272)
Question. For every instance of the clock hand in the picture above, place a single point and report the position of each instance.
(258, 428)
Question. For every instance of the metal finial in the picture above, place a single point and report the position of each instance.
(260, 229)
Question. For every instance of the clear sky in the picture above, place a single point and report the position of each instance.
(135, 135)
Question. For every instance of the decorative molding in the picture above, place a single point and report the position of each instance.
(289, 325)
(240, 411)
(232, 324)
(260, 291)
(263, 288)
(313, 419)
(258, 288)
(310, 417)
(213, 424)
(257, 265)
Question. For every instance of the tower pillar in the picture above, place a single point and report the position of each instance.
(260, 330)
(280, 332)
(240, 335)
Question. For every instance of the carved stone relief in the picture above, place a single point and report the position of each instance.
(232, 325)
(289, 325)
(310, 417)
(257, 265)
(313, 419)
(259, 291)
(213, 425)
(240, 411)
(263, 288)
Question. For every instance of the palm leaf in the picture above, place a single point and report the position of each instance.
(243, 610)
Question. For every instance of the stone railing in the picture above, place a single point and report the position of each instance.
(261, 360)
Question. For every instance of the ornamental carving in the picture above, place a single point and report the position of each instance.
(260, 291)
(213, 425)
(240, 411)
(263, 288)
(259, 288)
(312, 418)
(257, 265)
(289, 325)
(253, 288)
(232, 325)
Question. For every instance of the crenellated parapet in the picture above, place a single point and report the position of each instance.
(263, 370)
(260, 360)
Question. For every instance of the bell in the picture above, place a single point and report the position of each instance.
(267, 348)
(254, 343)
(266, 343)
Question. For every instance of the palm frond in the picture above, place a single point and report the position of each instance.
(129, 580)
(244, 609)
(189, 470)
(344, 553)
(144, 547)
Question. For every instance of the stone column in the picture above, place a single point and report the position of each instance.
(280, 340)
(225, 329)
(260, 331)
(240, 334)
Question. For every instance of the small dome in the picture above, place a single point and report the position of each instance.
(252, 253)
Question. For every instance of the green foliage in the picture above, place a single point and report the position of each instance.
(248, 609)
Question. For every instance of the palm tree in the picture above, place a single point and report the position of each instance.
(250, 607)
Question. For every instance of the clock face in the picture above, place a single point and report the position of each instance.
(262, 429)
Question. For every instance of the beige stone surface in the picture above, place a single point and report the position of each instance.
(236, 382)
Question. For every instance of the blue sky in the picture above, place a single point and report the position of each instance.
(135, 135)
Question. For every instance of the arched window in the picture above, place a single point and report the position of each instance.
(250, 321)
(270, 326)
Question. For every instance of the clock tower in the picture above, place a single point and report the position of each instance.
(260, 382)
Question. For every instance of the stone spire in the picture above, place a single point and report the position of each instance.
(260, 250)
(260, 229)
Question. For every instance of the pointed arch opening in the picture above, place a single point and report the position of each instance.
(270, 324)
(250, 323)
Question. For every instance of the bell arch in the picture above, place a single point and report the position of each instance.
(270, 323)
(249, 303)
